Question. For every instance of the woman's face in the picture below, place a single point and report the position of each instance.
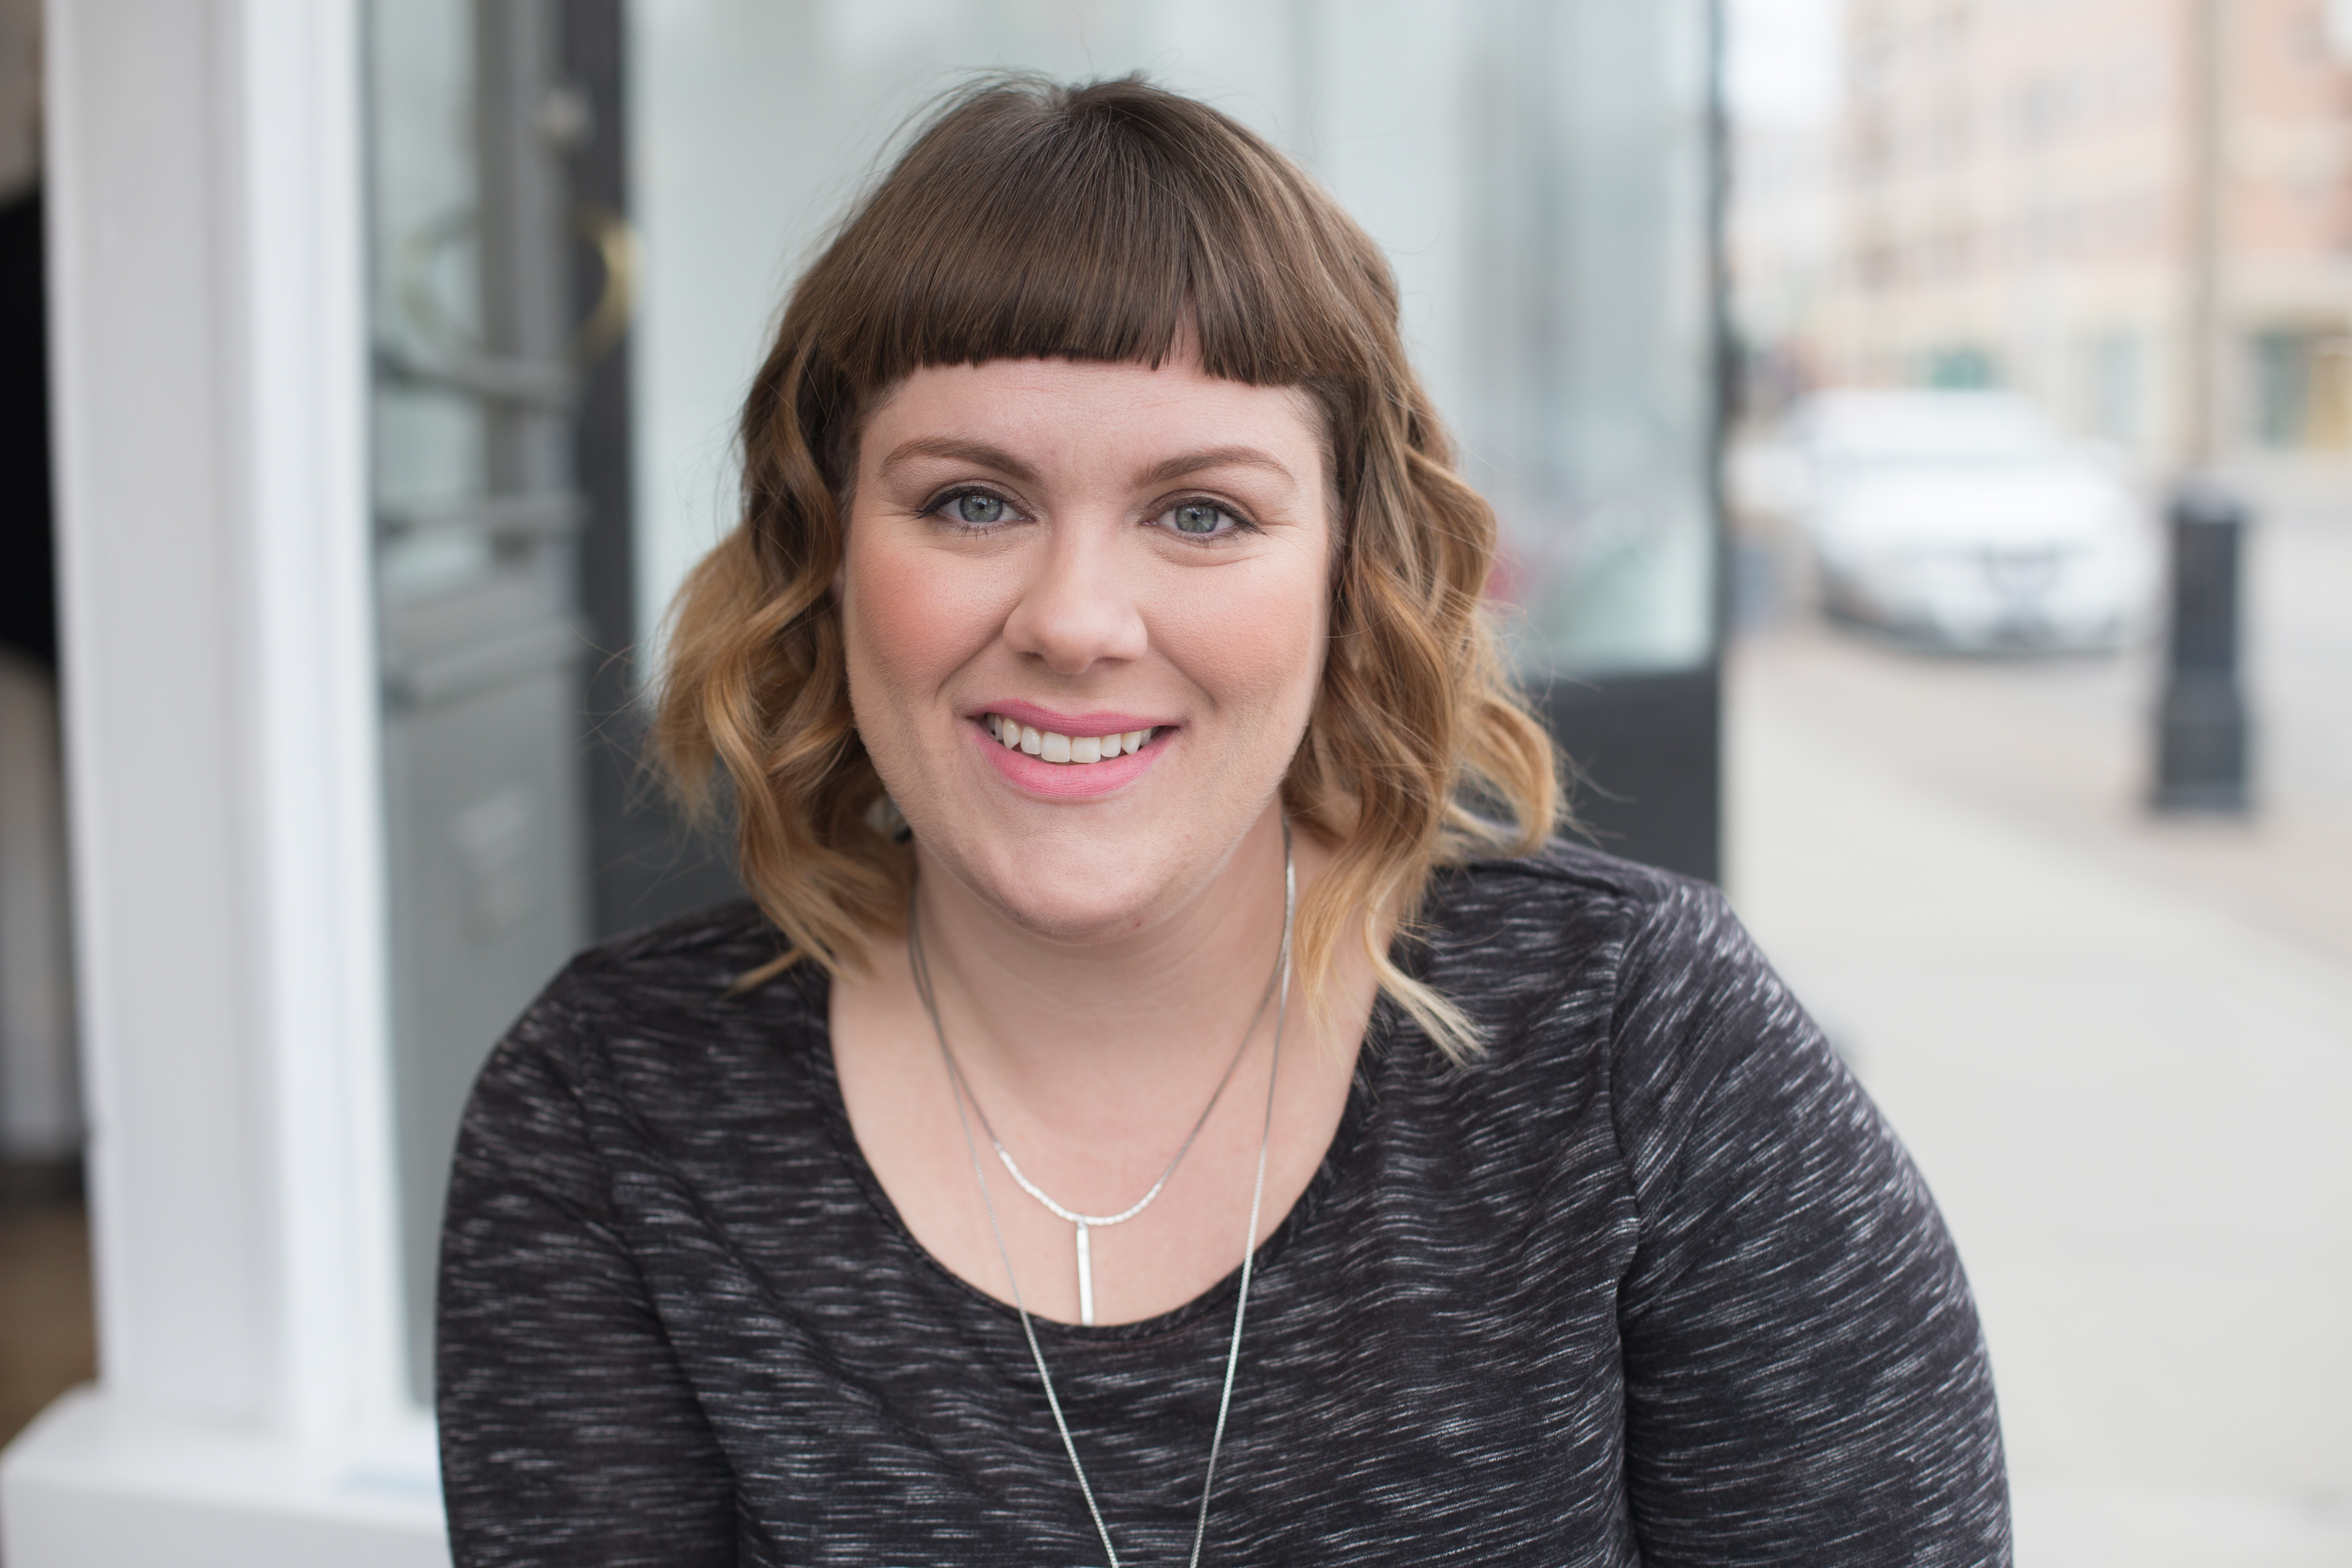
(1086, 557)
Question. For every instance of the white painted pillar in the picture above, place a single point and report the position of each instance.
(208, 350)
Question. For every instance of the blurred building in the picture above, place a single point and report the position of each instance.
(1785, 255)
(2018, 187)
(1783, 226)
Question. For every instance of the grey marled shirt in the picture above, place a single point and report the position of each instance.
(1652, 1282)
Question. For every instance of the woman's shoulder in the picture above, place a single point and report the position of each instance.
(649, 1051)
(1571, 955)
(668, 993)
(1566, 902)
(730, 931)
(1563, 872)
(1571, 948)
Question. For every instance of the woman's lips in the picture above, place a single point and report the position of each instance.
(1062, 765)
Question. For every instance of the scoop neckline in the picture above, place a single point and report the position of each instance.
(825, 1083)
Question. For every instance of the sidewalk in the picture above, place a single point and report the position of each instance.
(2134, 1106)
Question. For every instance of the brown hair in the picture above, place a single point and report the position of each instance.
(1098, 222)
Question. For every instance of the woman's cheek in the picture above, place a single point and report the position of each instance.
(1258, 651)
(916, 618)
(898, 645)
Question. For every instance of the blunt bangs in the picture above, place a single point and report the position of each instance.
(1101, 223)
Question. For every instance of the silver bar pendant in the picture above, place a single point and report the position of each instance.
(1085, 1278)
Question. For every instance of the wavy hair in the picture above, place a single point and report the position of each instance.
(1098, 222)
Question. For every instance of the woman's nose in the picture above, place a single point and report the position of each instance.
(1079, 604)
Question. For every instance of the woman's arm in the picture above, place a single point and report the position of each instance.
(569, 1434)
(1805, 1377)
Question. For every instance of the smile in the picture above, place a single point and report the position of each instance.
(1049, 746)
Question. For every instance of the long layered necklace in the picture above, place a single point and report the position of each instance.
(961, 1090)
(1086, 1223)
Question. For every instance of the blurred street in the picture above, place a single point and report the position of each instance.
(2120, 1048)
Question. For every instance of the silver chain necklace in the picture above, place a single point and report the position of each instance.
(1086, 1223)
(1249, 1243)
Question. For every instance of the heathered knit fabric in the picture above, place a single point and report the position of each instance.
(1652, 1282)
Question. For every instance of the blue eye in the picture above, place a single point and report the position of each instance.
(974, 507)
(1197, 518)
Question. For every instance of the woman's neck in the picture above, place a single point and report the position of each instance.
(1061, 1026)
(1098, 1065)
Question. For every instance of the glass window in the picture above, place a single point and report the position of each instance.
(478, 573)
(1536, 170)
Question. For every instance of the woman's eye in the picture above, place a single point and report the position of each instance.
(976, 507)
(1200, 517)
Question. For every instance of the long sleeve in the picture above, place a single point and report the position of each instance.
(1805, 1380)
(570, 1434)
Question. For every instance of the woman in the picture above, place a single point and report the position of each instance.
(1169, 1101)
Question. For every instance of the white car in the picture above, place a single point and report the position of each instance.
(1966, 521)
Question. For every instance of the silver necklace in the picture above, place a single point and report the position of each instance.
(1249, 1242)
(1086, 1223)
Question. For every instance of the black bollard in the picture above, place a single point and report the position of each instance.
(2201, 740)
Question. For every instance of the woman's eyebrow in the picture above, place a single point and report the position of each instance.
(1178, 467)
(978, 453)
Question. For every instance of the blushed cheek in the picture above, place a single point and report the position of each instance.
(1257, 655)
(908, 626)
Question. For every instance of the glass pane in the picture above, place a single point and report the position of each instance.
(476, 571)
(428, 444)
(1537, 171)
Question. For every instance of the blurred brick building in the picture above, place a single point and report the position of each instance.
(2017, 183)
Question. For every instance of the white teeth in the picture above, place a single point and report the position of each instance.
(1048, 746)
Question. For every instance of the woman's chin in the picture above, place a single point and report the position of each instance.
(1050, 893)
(1090, 876)
(1077, 917)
